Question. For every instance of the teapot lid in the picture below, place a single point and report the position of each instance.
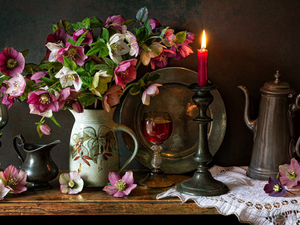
(276, 86)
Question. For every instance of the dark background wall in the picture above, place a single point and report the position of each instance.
(247, 42)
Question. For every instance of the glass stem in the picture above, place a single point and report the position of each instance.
(156, 160)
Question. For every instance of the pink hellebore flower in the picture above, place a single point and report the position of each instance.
(88, 39)
(134, 46)
(36, 77)
(16, 86)
(162, 60)
(152, 90)
(115, 21)
(3, 190)
(12, 62)
(111, 97)
(154, 23)
(42, 102)
(44, 129)
(290, 174)
(71, 183)
(68, 77)
(120, 187)
(14, 179)
(59, 37)
(76, 53)
(169, 37)
(125, 72)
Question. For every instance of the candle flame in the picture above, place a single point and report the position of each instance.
(203, 40)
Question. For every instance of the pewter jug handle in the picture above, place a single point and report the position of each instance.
(17, 145)
(120, 127)
(298, 141)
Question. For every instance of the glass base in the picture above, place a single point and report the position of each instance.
(156, 179)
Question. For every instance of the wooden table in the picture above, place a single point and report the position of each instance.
(94, 201)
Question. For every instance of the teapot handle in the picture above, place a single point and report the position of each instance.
(17, 145)
(120, 127)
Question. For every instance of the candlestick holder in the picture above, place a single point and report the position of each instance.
(202, 183)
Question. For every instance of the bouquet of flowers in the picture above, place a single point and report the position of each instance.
(90, 64)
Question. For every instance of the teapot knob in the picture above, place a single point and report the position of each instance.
(277, 75)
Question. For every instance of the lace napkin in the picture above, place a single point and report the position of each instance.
(246, 199)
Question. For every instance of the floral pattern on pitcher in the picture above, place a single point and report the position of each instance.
(90, 146)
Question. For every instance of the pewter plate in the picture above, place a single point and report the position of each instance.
(174, 97)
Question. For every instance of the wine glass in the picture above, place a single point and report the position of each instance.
(156, 127)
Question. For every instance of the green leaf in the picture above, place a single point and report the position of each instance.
(86, 23)
(105, 34)
(48, 81)
(163, 32)
(101, 67)
(109, 62)
(142, 14)
(93, 51)
(135, 90)
(95, 22)
(70, 63)
(80, 40)
(54, 120)
(25, 52)
(63, 24)
(71, 41)
(128, 22)
(180, 37)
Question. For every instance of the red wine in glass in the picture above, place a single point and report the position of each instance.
(157, 130)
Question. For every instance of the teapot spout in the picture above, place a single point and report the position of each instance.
(251, 124)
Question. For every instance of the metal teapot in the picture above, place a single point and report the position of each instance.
(273, 130)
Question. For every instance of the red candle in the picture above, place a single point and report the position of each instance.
(202, 62)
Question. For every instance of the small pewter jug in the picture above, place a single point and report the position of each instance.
(273, 130)
(38, 163)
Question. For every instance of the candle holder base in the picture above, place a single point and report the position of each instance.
(202, 183)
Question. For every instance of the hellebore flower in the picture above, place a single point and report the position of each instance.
(149, 52)
(290, 174)
(125, 72)
(117, 47)
(71, 183)
(43, 128)
(16, 86)
(36, 77)
(120, 187)
(53, 49)
(88, 39)
(275, 188)
(134, 46)
(184, 50)
(76, 53)
(169, 37)
(99, 83)
(162, 60)
(59, 37)
(42, 102)
(154, 23)
(115, 21)
(6, 99)
(68, 77)
(12, 62)
(3, 190)
(111, 97)
(14, 179)
(152, 90)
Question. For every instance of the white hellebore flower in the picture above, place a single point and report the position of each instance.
(68, 77)
(54, 47)
(117, 47)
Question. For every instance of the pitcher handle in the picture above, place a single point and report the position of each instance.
(17, 145)
(120, 127)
